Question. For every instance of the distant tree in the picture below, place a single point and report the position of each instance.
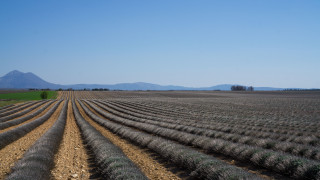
(99, 89)
(250, 88)
(238, 88)
(44, 95)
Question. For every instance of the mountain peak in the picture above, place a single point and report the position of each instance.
(14, 72)
(20, 80)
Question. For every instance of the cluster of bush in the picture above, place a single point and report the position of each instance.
(85, 89)
(99, 89)
(241, 88)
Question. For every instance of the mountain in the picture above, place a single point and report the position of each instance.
(127, 86)
(19, 80)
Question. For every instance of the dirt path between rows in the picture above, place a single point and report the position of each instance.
(32, 119)
(142, 158)
(71, 159)
(59, 95)
(14, 151)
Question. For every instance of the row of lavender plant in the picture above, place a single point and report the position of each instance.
(294, 125)
(10, 117)
(112, 162)
(17, 109)
(292, 148)
(296, 167)
(38, 160)
(199, 128)
(262, 124)
(154, 110)
(7, 107)
(12, 106)
(12, 135)
(201, 165)
(14, 122)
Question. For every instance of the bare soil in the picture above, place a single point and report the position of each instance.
(71, 159)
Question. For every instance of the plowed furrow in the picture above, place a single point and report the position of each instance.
(71, 159)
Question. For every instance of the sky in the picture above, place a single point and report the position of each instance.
(196, 43)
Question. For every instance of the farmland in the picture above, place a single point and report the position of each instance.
(28, 95)
(19, 96)
(162, 135)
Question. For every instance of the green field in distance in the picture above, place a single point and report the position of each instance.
(12, 98)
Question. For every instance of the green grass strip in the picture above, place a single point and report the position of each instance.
(32, 95)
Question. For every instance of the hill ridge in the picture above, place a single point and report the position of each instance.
(19, 80)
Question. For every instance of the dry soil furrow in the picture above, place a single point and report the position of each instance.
(72, 95)
(142, 158)
(65, 94)
(68, 95)
(85, 95)
(60, 95)
(90, 95)
(14, 151)
(39, 115)
(71, 159)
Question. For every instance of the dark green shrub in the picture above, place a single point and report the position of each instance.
(44, 95)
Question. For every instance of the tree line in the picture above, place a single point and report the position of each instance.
(241, 88)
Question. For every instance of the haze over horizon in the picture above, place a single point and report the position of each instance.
(186, 43)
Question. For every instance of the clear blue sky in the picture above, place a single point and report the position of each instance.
(180, 42)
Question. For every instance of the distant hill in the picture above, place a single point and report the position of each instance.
(19, 80)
